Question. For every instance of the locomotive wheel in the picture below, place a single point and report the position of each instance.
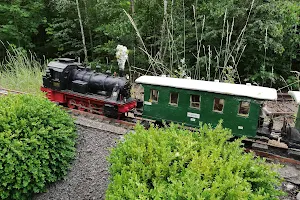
(81, 106)
(71, 103)
(93, 108)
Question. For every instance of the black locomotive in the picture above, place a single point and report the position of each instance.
(70, 83)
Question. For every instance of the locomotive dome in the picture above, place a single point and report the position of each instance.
(256, 92)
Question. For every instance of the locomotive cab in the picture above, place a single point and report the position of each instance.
(58, 72)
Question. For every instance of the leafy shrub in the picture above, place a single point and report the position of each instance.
(173, 163)
(37, 142)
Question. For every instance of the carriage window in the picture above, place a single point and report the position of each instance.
(174, 99)
(218, 105)
(244, 108)
(154, 95)
(195, 101)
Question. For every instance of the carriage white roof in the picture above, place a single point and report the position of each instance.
(251, 91)
(295, 95)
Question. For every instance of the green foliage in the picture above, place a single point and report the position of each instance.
(272, 27)
(62, 30)
(293, 83)
(206, 34)
(19, 21)
(174, 163)
(21, 72)
(262, 76)
(37, 142)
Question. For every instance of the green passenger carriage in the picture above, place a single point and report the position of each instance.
(193, 101)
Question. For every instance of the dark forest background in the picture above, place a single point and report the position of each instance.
(233, 40)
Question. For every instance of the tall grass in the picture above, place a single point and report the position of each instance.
(211, 62)
(21, 71)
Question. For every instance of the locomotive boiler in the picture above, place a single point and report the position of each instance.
(70, 83)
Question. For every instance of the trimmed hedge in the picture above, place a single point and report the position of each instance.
(37, 143)
(174, 163)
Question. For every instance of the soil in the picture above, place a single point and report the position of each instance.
(291, 191)
(282, 106)
(291, 184)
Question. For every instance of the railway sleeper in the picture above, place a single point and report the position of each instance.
(260, 146)
(294, 153)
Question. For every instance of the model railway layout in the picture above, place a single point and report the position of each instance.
(241, 107)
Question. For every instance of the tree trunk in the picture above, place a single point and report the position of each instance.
(82, 33)
(163, 29)
(132, 6)
(165, 7)
(88, 25)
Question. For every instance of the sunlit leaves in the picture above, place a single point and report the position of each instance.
(173, 163)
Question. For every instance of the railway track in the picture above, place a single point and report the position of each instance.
(127, 123)
(6, 91)
(124, 125)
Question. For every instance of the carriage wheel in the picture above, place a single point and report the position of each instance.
(81, 106)
(71, 103)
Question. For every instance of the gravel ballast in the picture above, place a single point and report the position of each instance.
(88, 176)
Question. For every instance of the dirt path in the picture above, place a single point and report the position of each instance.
(88, 177)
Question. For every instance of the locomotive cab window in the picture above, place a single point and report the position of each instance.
(56, 75)
(244, 108)
(195, 101)
(173, 99)
(218, 105)
(154, 95)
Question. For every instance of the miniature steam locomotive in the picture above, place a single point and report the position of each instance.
(69, 83)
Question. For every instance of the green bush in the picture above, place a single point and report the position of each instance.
(37, 142)
(173, 163)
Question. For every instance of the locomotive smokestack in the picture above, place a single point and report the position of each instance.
(98, 68)
(122, 56)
